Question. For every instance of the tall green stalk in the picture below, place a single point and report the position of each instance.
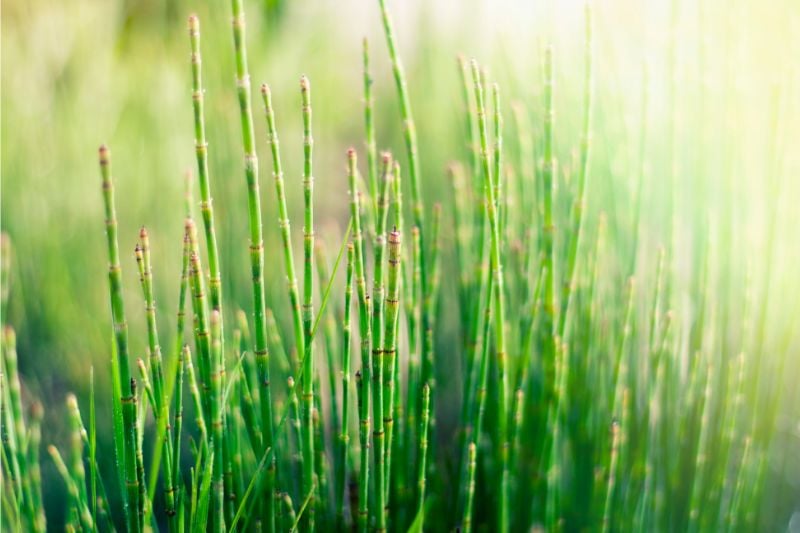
(127, 398)
(344, 430)
(364, 377)
(390, 349)
(422, 453)
(161, 406)
(410, 136)
(369, 129)
(256, 251)
(201, 150)
(548, 232)
(217, 421)
(497, 273)
(378, 305)
(283, 220)
(201, 332)
(466, 520)
(207, 331)
(308, 308)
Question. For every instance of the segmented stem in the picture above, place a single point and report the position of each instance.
(363, 377)
(160, 405)
(201, 149)
(378, 304)
(218, 439)
(127, 398)
(308, 309)
(369, 128)
(466, 521)
(390, 348)
(410, 137)
(256, 252)
(547, 234)
(344, 431)
(423, 453)
(283, 220)
(497, 273)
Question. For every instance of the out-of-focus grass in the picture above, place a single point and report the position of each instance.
(79, 73)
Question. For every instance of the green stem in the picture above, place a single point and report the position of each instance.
(256, 251)
(422, 453)
(390, 349)
(612, 477)
(547, 234)
(378, 318)
(160, 406)
(497, 273)
(121, 336)
(369, 127)
(344, 433)
(410, 136)
(308, 308)
(466, 520)
(363, 377)
(283, 220)
(201, 149)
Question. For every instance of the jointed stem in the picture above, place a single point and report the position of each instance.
(160, 405)
(377, 342)
(410, 136)
(497, 276)
(363, 377)
(390, 349)
(256, 253)
(127, 398)
(344, 432)
(283, 220)
(308, 309)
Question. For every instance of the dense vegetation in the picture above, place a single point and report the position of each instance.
(566, 339)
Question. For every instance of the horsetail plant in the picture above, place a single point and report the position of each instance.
(364, 376)
(389, 352)
(344, 433)
(256, 252)
(378, 320)
(394, 409)
(201, 151)
(159, 401)
(557, 421)
(283, 219)
(422, 454)
(548, 229)
(308, 309)
(490, 191)
(410, 137)
(127, 398)
(369, 128)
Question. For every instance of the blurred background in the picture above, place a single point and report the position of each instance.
(712, 84)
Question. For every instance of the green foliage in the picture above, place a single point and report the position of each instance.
(574, 337)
